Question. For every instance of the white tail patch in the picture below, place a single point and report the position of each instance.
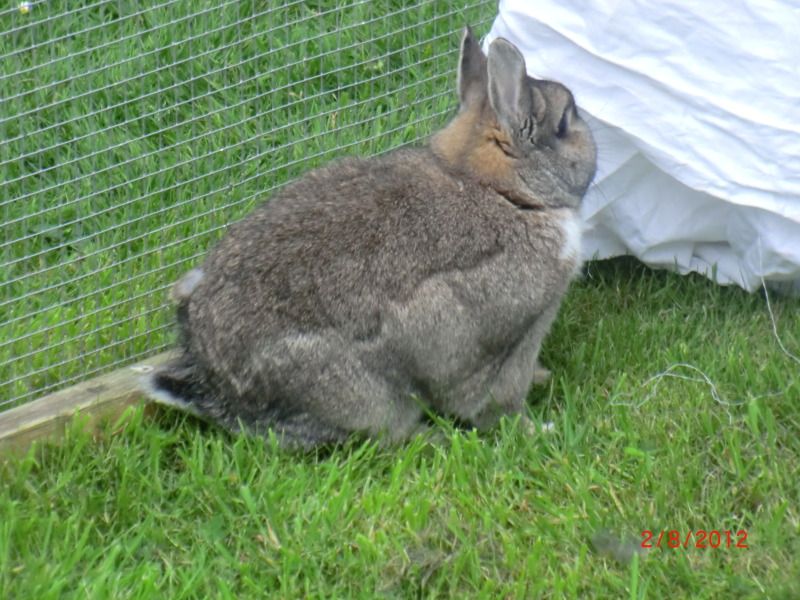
(161, 396)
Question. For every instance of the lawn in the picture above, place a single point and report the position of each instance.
(164, 505)
(674, 403)
(131, 135)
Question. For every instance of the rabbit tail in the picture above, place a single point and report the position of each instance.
(180, 383)
(177, 384)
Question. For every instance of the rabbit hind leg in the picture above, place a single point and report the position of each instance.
(334, 394)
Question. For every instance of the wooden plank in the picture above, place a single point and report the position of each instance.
(96, 400)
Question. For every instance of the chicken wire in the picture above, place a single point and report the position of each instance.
(131, 136)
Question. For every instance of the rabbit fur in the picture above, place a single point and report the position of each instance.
(371, 291)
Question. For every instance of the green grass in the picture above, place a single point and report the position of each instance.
(132, 134)
(168, 506)
(97, 219)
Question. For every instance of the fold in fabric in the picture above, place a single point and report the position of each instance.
(695, 107)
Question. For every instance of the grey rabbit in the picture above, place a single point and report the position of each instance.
(372, 291)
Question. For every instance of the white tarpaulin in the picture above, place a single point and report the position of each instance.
(695, 107)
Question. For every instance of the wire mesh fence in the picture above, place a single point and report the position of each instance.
(131, 135)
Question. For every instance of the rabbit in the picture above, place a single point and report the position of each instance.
(372, 292)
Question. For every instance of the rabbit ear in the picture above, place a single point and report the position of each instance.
(471, 71)
(513, 100)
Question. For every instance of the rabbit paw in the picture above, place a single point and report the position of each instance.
(530, 428)
(541, 375)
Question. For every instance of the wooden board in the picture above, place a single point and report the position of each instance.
(96, 400)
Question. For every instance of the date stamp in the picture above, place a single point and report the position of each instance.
(699, 538)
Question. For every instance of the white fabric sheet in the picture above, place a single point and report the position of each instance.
(695, 107)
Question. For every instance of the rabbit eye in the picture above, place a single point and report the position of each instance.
(563, 124)
(527, 130)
